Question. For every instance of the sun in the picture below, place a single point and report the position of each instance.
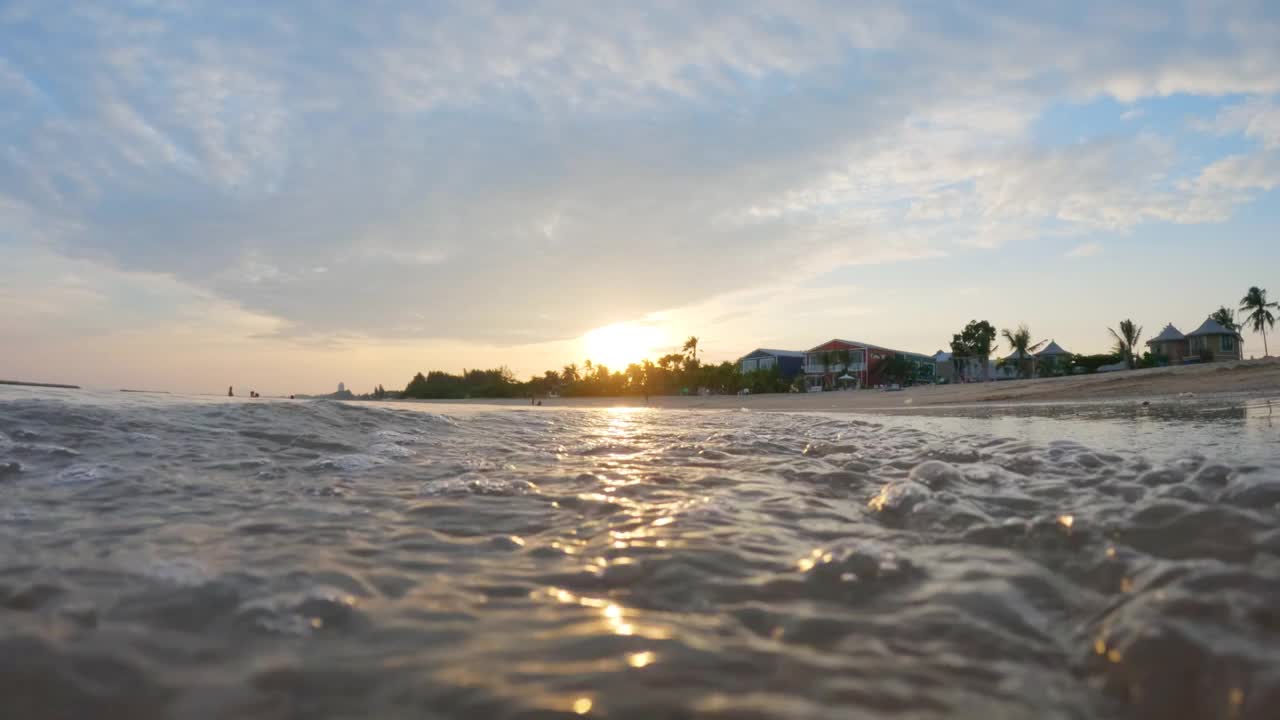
(617, 346)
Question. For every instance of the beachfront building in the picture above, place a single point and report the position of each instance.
(1211, 341)
(947, 368)
(1052, 360)
(848, 363)
(1169, 347)
(788, 362)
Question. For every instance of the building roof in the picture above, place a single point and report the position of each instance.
(870, 346)
(942, 356)
(1052, 349)
(776, 353)
(1169, 334)
(1211, 327)
(1015, 355)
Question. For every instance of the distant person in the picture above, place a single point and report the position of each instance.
(230, 393)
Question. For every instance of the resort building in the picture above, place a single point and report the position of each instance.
(1015, 365)
(847, 363)
(1170, 344)
(1052, 360)
(1211, 341)
(947, 368)
(789, 362)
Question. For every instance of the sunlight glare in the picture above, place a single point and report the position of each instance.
(618, 345)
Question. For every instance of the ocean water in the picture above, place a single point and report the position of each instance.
(177, 557)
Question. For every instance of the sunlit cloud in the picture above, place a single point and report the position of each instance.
(494, 184)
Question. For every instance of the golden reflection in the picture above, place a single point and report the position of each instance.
(614, 615)
(1066, 521)
(664, 520)
(582, 705)
(640, 659)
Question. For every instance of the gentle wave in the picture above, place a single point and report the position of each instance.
(172, 557)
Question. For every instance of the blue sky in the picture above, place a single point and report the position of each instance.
(197, 194)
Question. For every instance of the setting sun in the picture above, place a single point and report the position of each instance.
(616, 346)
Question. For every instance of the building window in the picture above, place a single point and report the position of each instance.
(1228, 343)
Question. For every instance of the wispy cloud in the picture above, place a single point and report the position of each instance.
(510, 174)
(1084, 250)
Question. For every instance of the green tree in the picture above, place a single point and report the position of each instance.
(1127, 341)
(977, 340)
(1259, 316)
(1020, 341)
(1226, 317)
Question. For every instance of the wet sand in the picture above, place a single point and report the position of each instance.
(1248, 379)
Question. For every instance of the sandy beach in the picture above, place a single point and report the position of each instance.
(1248, 379)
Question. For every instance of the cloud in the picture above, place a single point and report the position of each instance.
(1084, 250)
(1257, 118)
(516, 174)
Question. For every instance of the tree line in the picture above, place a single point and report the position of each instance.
(672, 374)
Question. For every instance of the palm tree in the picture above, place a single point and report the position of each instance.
(1126, 341)
(841, 357)
(1020, 341)
(828, 359)
(691, 347)
(570, 373)
(1259, 315)
(1226, 317)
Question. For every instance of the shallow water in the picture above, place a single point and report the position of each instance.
(174, 557)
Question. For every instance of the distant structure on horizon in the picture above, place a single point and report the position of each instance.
(342, 387)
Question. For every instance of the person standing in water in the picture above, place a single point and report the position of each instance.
(229, 392)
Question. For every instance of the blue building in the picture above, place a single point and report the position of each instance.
(789, 362)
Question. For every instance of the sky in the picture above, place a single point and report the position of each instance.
(282, 196)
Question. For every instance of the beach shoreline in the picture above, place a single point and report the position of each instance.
(1244, 380)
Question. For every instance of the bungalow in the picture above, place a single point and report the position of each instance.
(1014, 364)
(788, 362)
(1211, 341)
(1170, 344)
(1052, 360)
(825, 364)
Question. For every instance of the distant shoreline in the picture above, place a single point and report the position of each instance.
(23, 383)
(1241, 380)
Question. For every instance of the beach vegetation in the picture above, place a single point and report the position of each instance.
(1226, 317)
(1126, 339)
(977, 340)
(1257, 314)
(1020, 343)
